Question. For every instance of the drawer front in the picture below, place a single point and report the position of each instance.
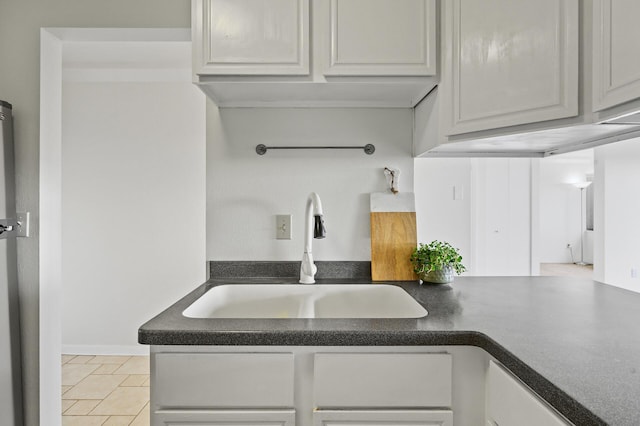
(383, 418)
(510, 403)
(382, 380)
(225, 418)
(223, 380)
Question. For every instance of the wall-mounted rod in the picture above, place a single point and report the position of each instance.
(368, 148)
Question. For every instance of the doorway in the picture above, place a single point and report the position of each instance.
(566, 214)
(121, 173)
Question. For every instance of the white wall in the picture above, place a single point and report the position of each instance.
(617, 213)
(443, 203)
(245, 191)
(560, 205)
(133, 179)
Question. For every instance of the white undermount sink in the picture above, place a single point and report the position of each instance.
(305, 301)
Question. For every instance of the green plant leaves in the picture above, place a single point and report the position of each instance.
(435, 256)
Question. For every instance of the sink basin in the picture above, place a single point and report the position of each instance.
(305, 301)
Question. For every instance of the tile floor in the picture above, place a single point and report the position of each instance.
(105, 390)
(566, 270)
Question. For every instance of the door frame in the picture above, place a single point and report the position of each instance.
(52, 42)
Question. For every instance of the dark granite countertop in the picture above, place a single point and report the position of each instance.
(573, 341)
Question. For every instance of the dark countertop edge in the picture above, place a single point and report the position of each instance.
(554, 396)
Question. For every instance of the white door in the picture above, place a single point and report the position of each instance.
(503, 216)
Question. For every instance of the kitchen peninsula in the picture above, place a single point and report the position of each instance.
(560, 336)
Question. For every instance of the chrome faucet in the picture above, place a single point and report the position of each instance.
(314, 228)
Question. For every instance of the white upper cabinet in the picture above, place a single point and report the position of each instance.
(251, 37)
(381, 37)
(616, 53)
(321, 53)
(510, 62)
(517, 78)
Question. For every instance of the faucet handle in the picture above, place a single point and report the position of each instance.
(319, 230)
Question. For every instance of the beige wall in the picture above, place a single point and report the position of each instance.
(20, 23)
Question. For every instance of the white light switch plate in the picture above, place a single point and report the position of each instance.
(23, 224)
(283, 227)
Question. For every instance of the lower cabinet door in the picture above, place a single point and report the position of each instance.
(510, 403)
(224, 418)
(383, 417)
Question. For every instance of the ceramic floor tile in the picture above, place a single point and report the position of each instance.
(67, 358)
(82, 407)
(147, 382)
(109, 359)
(144, 418)
(65, 388)
(95, 387)
(106, 369)
(135, 380)
(135, 365)
(72, 374)
(81, 359)
(120, 421)
(67, 403)
(83, 420)
(123, 401)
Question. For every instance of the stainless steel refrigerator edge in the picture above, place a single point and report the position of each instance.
(10, 371)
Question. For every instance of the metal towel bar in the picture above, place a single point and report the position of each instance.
(368, 148)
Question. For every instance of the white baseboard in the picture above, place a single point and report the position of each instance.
(105, 349)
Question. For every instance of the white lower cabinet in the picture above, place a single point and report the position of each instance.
(225, 418)
(338, 386)
(383, 418)
(366, 389)
(222, 389)
(359, 380)
(510, 403)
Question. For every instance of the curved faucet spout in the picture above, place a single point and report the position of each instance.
(314, 228)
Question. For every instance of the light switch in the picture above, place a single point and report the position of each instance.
(458, 192)
(283, 227)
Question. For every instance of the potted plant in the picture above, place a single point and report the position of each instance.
(436, 262)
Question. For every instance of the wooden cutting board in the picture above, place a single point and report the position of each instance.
(393, 236)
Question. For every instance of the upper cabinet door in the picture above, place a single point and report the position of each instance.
(251, 37)
(509, 62)
(616, 52)
(381, 38)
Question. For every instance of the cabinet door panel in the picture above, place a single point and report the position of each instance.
(224, 418)
(616, 52)
(224, 380)
(251, 37)
(510, 403)
(383, 418)
(382, 380)
(518, 64)
(381, 37)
